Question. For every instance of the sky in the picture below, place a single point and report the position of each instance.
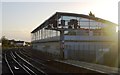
(19, 18)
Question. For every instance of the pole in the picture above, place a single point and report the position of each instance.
(62, 44)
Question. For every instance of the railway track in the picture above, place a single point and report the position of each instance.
(29, 66)
(70, 68)
(18, 65)
(40, 62)
(14, 66)
(20, 62)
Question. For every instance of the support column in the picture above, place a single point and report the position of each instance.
(62, 44)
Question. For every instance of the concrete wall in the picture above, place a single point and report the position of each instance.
(50, 47)
(87, 51)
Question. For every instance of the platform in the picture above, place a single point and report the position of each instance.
(90, 66)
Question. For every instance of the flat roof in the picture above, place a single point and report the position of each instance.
(58, 14)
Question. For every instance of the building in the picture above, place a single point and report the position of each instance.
(77, 37)
(17, 43)
(20, 43)
(12, 42)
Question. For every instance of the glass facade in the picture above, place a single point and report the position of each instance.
(84, 26)
(44, 34)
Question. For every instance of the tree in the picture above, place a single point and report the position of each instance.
(5, 41)
(91, 14)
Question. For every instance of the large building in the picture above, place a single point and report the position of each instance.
(77, 37)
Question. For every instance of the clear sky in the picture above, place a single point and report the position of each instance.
(20, 18)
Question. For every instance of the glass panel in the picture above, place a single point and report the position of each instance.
(68, 18)
(84, 25)
(93, 25)
(53, 33)
(44, 33)
(41, 33)
(101, 25)
(37, 35)
(84, 20)
(33, 36)
(48, 33)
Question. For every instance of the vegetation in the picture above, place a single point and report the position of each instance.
(91, 14)
(6, 43)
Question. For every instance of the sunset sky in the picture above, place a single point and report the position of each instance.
(20, 18)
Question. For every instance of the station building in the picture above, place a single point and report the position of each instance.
(77, 37)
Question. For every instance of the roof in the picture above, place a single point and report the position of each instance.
(58, 14)
(19, 41)
(11, 40)
(16, 41)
